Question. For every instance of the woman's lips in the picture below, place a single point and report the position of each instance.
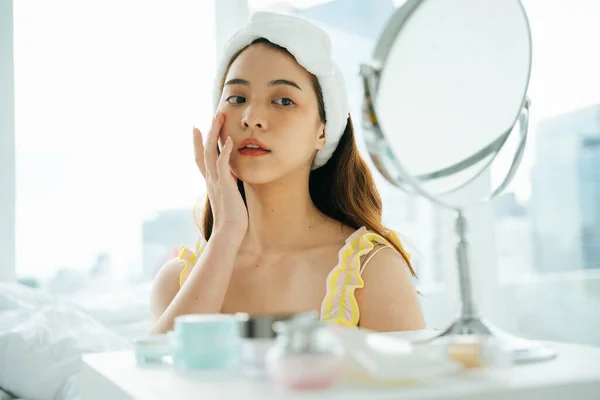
(252, 143)
(248, 151)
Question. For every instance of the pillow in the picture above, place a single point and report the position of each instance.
(42, 340)
(125, 309)
(14, 295)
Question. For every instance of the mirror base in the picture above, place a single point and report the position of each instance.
(471, 321)
(522, 351)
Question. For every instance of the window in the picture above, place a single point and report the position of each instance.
(106, 94)
(548, 223)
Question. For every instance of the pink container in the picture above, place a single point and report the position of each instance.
(305, 355)
(306, 371)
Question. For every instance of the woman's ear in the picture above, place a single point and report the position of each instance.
(320, 137)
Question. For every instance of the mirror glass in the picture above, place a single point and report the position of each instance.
(453, 81)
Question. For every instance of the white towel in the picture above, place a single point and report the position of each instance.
(311, 47)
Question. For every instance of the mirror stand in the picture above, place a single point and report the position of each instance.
(471, 322)
(417, 59)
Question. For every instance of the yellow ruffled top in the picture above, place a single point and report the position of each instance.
(339, 305)
(189, 257)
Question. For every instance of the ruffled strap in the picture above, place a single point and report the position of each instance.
(189, 257)
(339, 305)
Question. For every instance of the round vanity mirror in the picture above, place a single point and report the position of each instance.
(446, 98)
(448, 82)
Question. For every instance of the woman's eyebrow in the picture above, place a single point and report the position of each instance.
(284, 82)
(238, 81)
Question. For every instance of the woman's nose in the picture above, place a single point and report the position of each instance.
(254, 117)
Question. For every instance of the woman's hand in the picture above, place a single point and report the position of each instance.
(229, 211)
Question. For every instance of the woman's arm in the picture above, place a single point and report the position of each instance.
(205, 287)
(389, 301)
(204, 290)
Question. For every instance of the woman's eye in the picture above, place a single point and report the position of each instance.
(284, 101)
(235, 100)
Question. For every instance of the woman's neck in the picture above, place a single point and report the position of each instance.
(280, 214)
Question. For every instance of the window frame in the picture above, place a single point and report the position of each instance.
(7, 145)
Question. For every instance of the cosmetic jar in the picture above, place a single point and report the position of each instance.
(256, 336)
(305, 355)
(474, 351)
(204, 341)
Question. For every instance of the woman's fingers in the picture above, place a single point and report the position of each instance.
(199, 151)
(224, 170)
(210, 150)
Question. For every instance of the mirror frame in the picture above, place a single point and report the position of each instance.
(381, 153)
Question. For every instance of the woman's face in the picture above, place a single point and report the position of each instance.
(269, 97)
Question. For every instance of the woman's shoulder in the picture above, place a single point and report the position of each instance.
(171, 269)
(364, 236)
(166, 284)
(363, 244)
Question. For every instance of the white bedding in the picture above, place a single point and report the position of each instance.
(124, 309)
(42, 337)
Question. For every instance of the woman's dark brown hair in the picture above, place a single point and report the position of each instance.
(342, 189)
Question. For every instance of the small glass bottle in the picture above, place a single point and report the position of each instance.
(257, 336)
(305, 355)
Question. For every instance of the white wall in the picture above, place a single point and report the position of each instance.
(7, 143)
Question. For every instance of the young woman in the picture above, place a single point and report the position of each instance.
(292, 221)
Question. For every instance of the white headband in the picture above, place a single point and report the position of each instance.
(311, 47)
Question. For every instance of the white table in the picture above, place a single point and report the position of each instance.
(574, 374)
